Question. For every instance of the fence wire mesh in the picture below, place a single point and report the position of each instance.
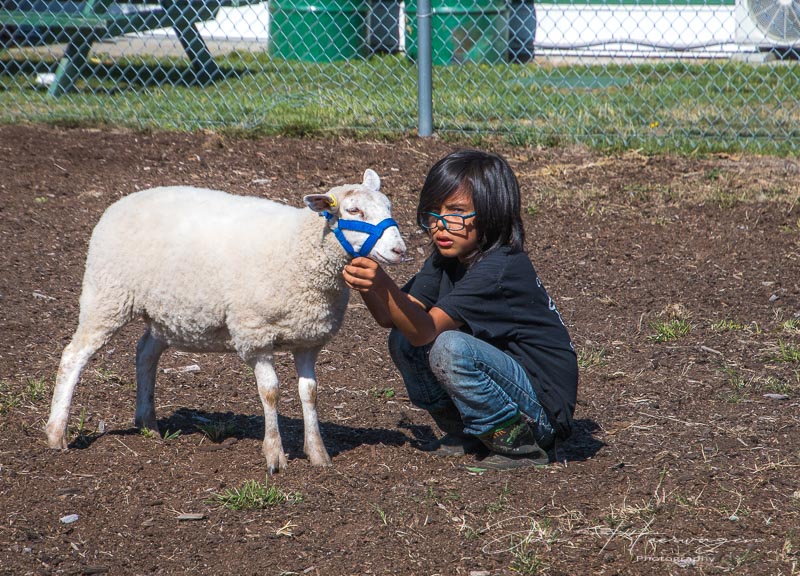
(690, 73)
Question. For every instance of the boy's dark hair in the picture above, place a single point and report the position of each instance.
(495, 194)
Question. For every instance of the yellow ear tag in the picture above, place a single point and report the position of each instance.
(334, 203)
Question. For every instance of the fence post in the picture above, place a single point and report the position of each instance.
(424, 59)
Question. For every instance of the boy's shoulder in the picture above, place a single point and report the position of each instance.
(496, 264)
(505, 258)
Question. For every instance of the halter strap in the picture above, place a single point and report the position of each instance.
(375, 231)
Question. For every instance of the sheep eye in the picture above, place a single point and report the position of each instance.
(355, 212)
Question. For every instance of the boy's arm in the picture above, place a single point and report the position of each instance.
(391, 307)
(377, 308)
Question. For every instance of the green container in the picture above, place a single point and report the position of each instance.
(462, 31)
(318, 30)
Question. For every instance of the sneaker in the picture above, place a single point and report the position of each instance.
(452, 445)
(511, 438)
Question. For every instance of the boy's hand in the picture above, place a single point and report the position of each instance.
(391, 307)
(364, 274)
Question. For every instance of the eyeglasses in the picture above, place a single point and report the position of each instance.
(450, 222)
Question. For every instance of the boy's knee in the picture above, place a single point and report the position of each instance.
(447, 346)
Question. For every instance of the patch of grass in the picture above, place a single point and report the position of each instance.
(261, 95)
(591, 357)
(8, 400)
(727, 325)
(778, 386)
(789, 550)
(636, 192)
(384, 393)
(254, 495)
(81, 429)
(35, 389)
(738, 384)
(790, 228)
(668, 330)
(217, 431)
(788, 352)
(526, 561)
(167, 435)
(792, 325)
(109, 377)
(433, 497)
(733, 561)
(725, 199)
(502, 501)
(593, 210)
(381, 514)
(171, 435)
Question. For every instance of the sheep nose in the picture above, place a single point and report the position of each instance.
(399, 251)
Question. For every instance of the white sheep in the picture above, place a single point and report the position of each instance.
(214, 272)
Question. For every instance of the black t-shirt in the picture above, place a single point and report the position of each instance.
(501, 300)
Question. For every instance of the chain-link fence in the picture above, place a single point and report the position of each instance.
(690, 73)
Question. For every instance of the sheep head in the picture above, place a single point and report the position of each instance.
(360, 216)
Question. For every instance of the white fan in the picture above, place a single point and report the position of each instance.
(768, 23)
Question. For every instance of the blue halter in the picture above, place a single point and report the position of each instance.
(375, 231)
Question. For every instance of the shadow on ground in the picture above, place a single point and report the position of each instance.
(220, 427)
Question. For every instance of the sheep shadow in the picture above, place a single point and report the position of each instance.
(218, 427)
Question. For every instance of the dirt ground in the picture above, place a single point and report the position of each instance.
(687, 447)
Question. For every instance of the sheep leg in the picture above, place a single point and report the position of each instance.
(148, 352)
(313, 446)
(268, 392)
(76, 354)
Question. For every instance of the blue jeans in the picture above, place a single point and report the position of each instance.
(486, 385)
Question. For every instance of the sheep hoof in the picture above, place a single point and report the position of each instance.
(146, 423)
(56, 437)
(58, 444)
(276, 464)
(320, 460)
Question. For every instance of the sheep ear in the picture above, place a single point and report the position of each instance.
(322, 203)
(372, 180)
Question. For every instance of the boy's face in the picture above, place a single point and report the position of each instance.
(456, 243)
